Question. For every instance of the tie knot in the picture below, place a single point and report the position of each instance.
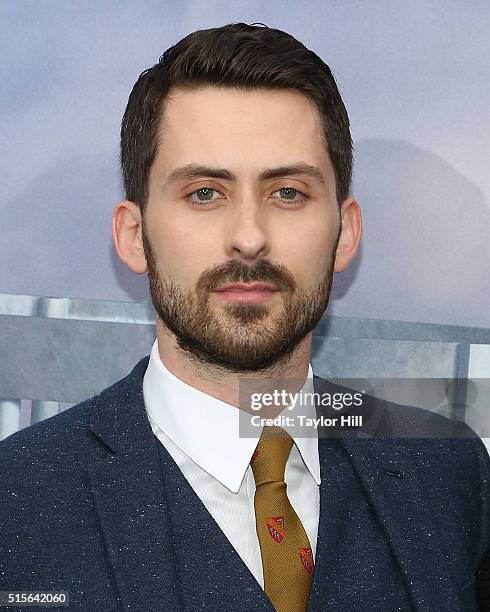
(269, 459)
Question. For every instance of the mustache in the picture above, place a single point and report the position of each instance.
(235, 271)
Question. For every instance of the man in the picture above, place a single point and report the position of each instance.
(237, 158)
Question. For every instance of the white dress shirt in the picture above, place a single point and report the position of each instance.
(200, 432)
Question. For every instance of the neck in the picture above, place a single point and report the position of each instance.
(219, 382)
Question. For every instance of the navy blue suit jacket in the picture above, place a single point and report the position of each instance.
(87, 506)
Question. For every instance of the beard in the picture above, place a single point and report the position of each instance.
(238, 337)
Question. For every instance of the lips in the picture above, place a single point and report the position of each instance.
(247, 287)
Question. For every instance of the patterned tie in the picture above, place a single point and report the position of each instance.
(287, 558)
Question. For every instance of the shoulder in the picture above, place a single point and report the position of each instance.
(55, 440)
(449, 456)
(431, 438)
(431, 434)
(43, 468)
(450, 439)
(43, 462)
(62, 443)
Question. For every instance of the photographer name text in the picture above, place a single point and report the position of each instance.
(304, 421)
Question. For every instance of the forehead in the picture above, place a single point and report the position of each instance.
(241, 108)
(229, 127)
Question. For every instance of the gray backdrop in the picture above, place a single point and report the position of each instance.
(415, 77)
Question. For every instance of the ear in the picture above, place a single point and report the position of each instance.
(350, 234)
(126, 232)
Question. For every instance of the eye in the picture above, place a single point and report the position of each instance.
(204, 195)
(288, 195)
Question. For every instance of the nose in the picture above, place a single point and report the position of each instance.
(246, 233)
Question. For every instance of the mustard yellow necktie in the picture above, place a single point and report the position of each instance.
(287, 558)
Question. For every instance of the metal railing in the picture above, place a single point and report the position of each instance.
(59, 351)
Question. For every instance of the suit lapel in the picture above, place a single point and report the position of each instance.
(165, 548)
(392, 482)
(130, 499)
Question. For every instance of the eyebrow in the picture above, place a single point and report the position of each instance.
(190, 171)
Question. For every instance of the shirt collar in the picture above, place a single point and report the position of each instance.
(206, 428)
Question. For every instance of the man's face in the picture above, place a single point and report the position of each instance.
(202, 232)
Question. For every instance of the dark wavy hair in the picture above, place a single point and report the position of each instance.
(240, 56)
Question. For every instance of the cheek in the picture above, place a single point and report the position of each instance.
(308, 254)
(183, 252)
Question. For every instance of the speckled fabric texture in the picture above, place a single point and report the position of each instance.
(92, 503)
